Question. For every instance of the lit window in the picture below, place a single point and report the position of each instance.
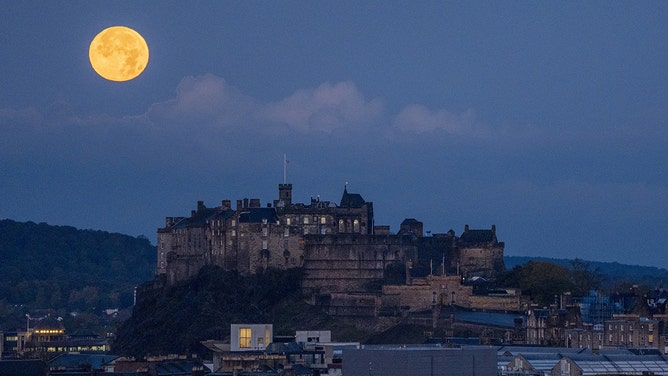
(323, 220)
(244, 338)
(286, 233)
(306, 220)
(356, 225)
(287, 221)
(264, 244)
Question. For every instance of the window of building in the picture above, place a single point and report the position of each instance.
(287, 221)
(264, 244)
(265, 231)
(356, 225)
(650, 338)
(323, 220)
(323, 231)
(244, 338)
(341, 225)
(306, 220)
(286, 232)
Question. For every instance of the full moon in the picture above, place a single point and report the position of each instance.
(118, 53)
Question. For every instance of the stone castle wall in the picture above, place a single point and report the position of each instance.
(347, 262)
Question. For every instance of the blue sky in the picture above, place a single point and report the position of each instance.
(547, 119)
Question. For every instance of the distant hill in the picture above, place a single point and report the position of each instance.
(613, 272)
(63, 268)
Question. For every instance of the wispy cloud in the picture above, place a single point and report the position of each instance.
(325, 108)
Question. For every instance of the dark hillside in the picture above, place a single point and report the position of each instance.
(63, 269)
(173, 320)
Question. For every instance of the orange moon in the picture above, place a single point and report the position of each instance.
(118, 53)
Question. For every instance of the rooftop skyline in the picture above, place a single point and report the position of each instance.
(548, 120)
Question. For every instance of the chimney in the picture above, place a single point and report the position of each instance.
(254, 202)
(168, 221)
(226, 205)
(494, 229)
(239, 207)
(245, 203)
(200, 205)
(466, 228)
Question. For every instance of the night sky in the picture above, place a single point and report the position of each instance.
(547, 119)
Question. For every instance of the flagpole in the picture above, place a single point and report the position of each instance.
(285, 168)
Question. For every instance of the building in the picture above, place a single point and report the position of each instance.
(419, 361)
(254, 237)
(547, 326)
(632, 331)
(250, 337)
(340, 249)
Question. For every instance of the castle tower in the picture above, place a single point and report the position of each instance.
(284, 194)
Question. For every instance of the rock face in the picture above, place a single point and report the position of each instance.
(338, 246)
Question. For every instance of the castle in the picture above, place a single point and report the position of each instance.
(340, 249)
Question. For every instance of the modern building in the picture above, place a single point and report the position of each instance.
(419, 361)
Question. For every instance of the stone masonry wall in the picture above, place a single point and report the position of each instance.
(346, 262)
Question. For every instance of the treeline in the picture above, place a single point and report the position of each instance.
(544, 280)
(61, 268)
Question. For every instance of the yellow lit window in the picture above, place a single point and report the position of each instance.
(244, 338)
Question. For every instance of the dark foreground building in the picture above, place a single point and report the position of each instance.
(420, 361)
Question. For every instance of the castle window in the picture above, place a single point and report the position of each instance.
(244, 338)
(306, 220)
(265, 231)
(323, 220)
(323, 231)
(287, 221)
(341, 225)
(286, 232)
(264, 244)
(234, 232)
(234, 222)
(356, 225)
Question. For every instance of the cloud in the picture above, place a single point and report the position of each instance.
(325, 108)
(416, 118)
(203, 100)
